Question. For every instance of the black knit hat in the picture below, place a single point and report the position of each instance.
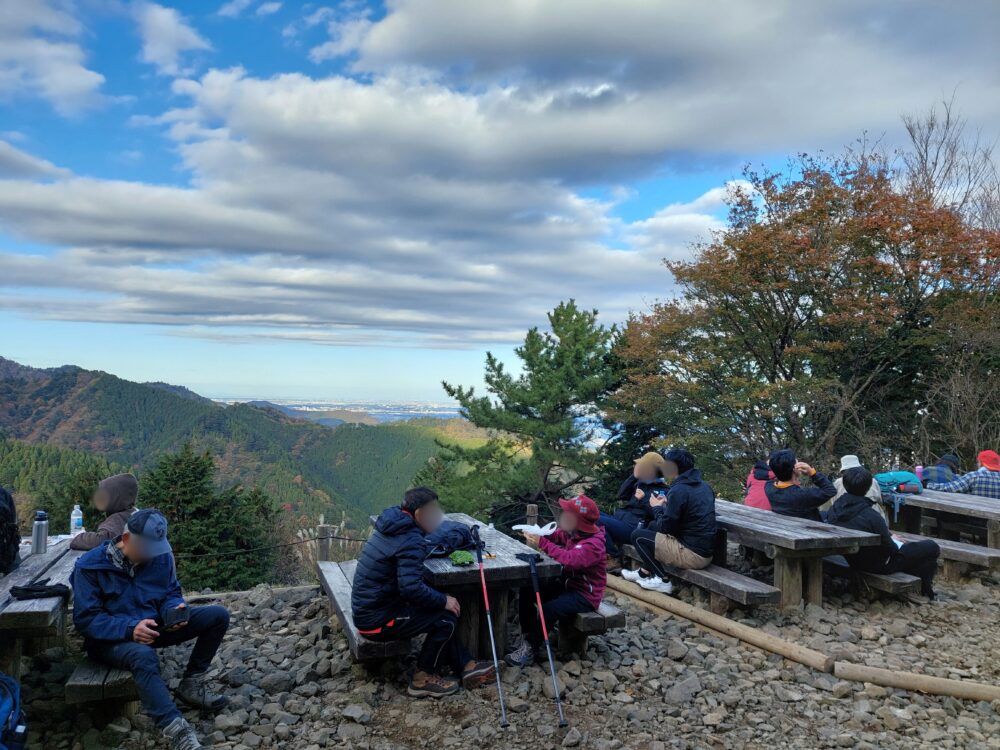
(950, 459)
(681, 457)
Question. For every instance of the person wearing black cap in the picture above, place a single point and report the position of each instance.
(128, 603)
(787, 497)
(682, 532)
(944, 471)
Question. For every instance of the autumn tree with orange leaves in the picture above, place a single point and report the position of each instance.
(819, 319)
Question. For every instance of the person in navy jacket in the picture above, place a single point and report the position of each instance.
(125, 595)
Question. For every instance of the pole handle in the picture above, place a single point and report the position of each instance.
(478, 543)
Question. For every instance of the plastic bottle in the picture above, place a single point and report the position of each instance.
(40, 533)
(76, 521)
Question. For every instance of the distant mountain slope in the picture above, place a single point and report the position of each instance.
(326, 417)
(358, 468)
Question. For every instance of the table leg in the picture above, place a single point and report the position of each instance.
(10, 656)
(909, 519)
(993, 534)
(813, 569)
(468, 623)
(788, 578)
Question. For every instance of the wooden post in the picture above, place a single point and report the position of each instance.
(974, 691)
(993, 534)
(788, 578)
(954, 570)
(531, 514)
(468, 623)
(498, 608)
(323, 534)
(717, 603)
(721, 551)
(814, 580)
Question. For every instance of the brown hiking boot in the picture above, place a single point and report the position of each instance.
(481, 673)
(613, 565)
(424, 685)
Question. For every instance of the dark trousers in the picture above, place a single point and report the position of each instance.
(207, 624)
(644, 541)
(619, 532)
(918, 559)
(442, 646)
(557, 604)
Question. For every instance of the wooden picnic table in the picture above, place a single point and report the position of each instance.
(504, 572)
(796, 545)
(958, 503)
(34, 619)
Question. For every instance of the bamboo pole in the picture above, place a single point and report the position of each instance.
(793, 651)
(973, 691)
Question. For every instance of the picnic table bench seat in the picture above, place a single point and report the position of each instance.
(92, 682)
(337, 581)
(896, 584)
(573, 634)
(724, 585)
(958, 556)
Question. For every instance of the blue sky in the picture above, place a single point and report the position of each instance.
(356, 201)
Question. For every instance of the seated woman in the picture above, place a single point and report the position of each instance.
(853, 510)
(646, 480)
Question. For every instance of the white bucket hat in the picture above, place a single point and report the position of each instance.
(849, 461)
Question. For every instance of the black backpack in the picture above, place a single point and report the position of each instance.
(10, 535)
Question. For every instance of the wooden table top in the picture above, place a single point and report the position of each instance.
(754, 527)
(56, 564)
(975, 506)
(503, 569)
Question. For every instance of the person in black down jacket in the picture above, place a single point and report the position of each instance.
(791, 499)
(854, 511)
(645, 481)
(682, 532)
(390, 600)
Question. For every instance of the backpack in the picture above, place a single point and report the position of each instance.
(13, 727)
(905, 482)
(10, 535)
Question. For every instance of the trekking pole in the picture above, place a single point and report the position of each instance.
(489, 622)
(532, 561)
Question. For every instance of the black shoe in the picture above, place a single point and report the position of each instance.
(194, 692)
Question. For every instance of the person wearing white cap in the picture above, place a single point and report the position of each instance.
(850, 461)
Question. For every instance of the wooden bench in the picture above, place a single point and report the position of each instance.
(896, 584)
(723, 585)
(112, 691)
(573, 639)
(337, 580)
(957, 557)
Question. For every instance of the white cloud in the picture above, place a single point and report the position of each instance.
(165, 37)
(40, 55)
(233, 8)
(267, 9)
(17, 163)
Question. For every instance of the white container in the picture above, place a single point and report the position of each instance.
(75, 521)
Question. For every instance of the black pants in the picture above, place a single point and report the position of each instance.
(918, 559)
(557, 604)
(644, 542)
(442, 646)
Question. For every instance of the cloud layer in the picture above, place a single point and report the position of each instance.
(440, 192)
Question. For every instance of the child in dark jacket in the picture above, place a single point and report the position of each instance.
(578, 545)
(854, 511)
(790, 499)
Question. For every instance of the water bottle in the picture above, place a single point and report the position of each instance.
(40, 533)
(919, 472)
(75, 521)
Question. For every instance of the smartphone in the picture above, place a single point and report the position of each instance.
(174, 617)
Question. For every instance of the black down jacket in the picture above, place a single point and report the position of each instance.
(390, 571)
(689, 513)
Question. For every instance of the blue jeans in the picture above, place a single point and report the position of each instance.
(617, 533)
(207, 624)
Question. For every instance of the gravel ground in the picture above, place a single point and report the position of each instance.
(660, 682)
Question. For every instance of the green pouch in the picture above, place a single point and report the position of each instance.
(461, 557)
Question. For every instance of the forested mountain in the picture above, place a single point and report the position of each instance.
(315, 469)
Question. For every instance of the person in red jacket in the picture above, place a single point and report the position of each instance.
(756, 497)
(578, 545)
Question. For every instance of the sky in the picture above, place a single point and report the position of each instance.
(357, 200)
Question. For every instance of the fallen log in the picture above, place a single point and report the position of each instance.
(793, 651)
(920, 683)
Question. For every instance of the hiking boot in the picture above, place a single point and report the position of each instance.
(613, 565)
(631, 575)
(181, 735)
(522, 656)
(481, 674)
(655, 583)
(194, 692)
(423, 685)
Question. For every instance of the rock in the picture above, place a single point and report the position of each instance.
(572, 738)
(350, 731)
(358, 713)
(684, 691)
(713, 719)
(898, 628)
(548, 689)
(785, 694)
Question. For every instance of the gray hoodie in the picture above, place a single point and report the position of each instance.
(122, 491)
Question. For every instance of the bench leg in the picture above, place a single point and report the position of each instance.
(717, 603)
(813, 569)
(993, 534)
(788, 578)
(572, 641)
(953, 570)
(10, 657)
(498, 610)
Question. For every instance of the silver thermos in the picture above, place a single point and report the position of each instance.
(40, 533)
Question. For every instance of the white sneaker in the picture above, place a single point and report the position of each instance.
(631, 575)
(655, 583)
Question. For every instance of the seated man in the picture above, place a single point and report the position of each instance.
(645, 481)
(851, 461)
(944, 471)
(984, 481)
(391, 601)
(115, 497)
(682, 532)
(853, 510)
(788, 498)
(128, 602)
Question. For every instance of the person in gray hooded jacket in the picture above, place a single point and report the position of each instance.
(116, 497)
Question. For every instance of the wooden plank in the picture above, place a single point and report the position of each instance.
(504, 568)
(756, 528)
(41, 614)
(31, 568)
(119, 685)
(86, 684)
(984, 557)
(974, 506)
(336, 581)
(607, 617)
(890, 583)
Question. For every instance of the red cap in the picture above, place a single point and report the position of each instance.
(585, 510)
(990, 460)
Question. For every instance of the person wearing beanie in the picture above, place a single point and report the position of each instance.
(648, 478)
(787, 497)
(682, 533)
(577, 545)
(984, 481)
(115, 497)
(944, 471)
